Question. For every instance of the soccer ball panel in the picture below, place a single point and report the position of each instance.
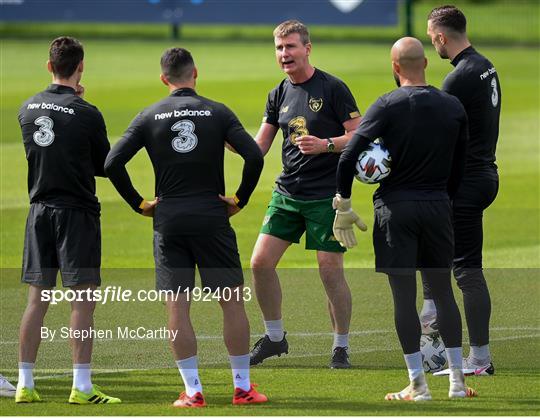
(373, 164)
(433, 353)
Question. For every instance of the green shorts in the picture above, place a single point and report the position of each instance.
(288, 218)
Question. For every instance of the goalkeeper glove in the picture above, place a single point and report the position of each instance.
(344, 220)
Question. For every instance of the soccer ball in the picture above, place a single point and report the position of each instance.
(373, 164)
(433, 353)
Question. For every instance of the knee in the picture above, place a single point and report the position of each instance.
(86, 307)
(470, 279)
(332, 278)
(36, 308)
(232, 306)
(39, 297)
(330, 262)
(178, 306)
(232, 297)
(330, 266)
(331, 272)
(260, 263)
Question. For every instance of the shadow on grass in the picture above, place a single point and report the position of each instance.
(310, 405)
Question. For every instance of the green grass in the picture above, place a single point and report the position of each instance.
(361, 395)
(121, 78)
(299, 383)
(492, 22)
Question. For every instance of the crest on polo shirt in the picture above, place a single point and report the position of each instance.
(315, 104)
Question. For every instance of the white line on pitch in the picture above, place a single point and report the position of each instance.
(311, 355)
(292, 334)
(69, 372)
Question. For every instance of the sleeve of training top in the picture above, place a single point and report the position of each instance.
(457, 84)
(248, 149)
(458, 162)
(115, 164)
(271, 112)
(343, 102)
(371, 128)
(100, 146)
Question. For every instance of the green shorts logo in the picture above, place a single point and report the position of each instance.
(266, 219)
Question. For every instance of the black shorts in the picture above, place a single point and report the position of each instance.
(62, 239)
(413, 235)
(216, 257)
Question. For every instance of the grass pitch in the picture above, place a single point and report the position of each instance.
(121, 78)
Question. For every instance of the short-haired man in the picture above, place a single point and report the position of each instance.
(317, 114)
(425, 131)
(184, 135)
(474, 81)
(66, 144)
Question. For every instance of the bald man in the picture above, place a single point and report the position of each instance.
(425, 131)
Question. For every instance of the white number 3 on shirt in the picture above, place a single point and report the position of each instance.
(186, 140)
(45, 135)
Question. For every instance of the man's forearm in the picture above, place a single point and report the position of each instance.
(340, 142)
(347, 164)
(119, 177)
(265, 136)
(250, 177)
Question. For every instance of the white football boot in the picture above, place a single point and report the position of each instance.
(6, 388)
(458, 388)
(471, 369)
(416, 391)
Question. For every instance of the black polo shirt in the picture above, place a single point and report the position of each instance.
(319, 107)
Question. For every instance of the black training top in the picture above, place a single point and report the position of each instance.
(184, 135)
(66, 144)
(475, 83)
(425, 132)
(318, 107)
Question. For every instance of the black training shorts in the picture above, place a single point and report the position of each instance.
(64, 239)
(216, 257)
(413, 235)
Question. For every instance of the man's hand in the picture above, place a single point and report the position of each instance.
(79, 91)
(344, 220)
(232, 208)
(148, 207)
(311, 145)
